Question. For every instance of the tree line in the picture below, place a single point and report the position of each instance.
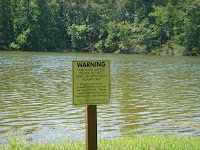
(121, 26)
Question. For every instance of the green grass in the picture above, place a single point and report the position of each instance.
(133, 143)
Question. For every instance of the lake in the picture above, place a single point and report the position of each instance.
(149, 95)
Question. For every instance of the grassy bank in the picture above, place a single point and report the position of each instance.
(134, 143)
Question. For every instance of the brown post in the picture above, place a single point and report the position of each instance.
(91, 127)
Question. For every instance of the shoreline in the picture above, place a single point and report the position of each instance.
(122, 143)
(154, 53)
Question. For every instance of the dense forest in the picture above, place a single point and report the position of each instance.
(121, 26)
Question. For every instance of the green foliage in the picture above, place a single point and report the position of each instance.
(112, 39)
(192, 27)
(21, 40)
(127, 37)
(6, 23)
(177, 24)
(163, 26)
(126, 26)
(78, 37)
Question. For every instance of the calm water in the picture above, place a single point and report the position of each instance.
(149, 94)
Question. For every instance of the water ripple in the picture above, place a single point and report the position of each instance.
(147, 93)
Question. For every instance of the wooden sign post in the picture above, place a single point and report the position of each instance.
(91, 86)
(91, 127)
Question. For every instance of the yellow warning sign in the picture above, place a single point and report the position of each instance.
(91, 82)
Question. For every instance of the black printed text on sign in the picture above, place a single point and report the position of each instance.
(91, 82)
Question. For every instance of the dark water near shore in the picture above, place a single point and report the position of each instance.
(148, 94)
